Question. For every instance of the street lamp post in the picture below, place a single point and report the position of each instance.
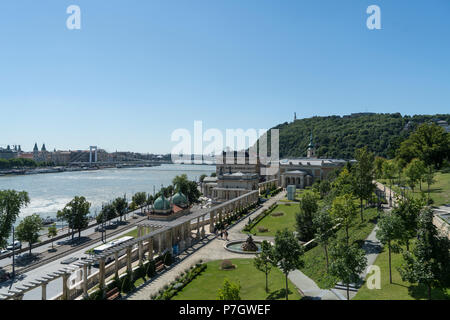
(14, 254)
(104, 226)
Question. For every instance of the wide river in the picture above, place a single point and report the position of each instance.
(50, 192)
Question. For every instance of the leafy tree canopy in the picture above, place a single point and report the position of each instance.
(11, 202)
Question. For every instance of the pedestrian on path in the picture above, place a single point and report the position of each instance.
(221, 233)
(226, 235)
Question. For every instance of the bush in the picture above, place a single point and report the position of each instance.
(114, 284)
(140, 273)
(171, 291)
(277, 214)
(226, 265)
(127, 283)
(168, 259)
(262, 229)
(97, 295)
(151, 269)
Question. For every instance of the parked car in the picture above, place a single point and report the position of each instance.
(3, 251)
(16, 245)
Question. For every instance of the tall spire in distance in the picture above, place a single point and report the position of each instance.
(311, 153)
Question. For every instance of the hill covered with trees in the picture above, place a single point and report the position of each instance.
(339, 137)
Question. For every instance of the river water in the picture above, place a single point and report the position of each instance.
(52, 191)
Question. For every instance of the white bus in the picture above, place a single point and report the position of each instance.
(110, 245)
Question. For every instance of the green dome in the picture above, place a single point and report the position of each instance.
(180, 199)
(161, 203)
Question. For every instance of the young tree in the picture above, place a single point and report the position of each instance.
(28, 229)
(304, 219)
(399, 165)
(429, 263)
(139, 199)
(378, 166)
(363, 176)
(75, 213)
(287, 253)
(121, 205)
(429, 179)
(325, 232)
(189, 188)
(264, 260)
(11, 202)
(343, 184)
(347, 263)
(408, 209)
(344, 210)
(52, 232)
(414, 172)
(389, 230)
(324, 187)
(229, 291)
(389, 173)
(107, 213)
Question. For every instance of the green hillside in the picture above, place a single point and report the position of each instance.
(338, 137)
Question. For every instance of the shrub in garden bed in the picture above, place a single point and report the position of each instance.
(140, 273)
(262, 229)
(277, 214)
(173, 289)
(151, 269)
(168, 259)
(114, 284)
(127, 283)
(227, 265)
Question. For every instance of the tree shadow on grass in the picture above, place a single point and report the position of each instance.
(435, 190)
(421, 292)
(278, 294)
(398, 284)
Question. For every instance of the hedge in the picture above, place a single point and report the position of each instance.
(177, 286)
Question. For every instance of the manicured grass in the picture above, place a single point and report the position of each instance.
(252, 281)
(398, 290)
(315, 261)
(133, 233)
(439, 191)
(275, 223)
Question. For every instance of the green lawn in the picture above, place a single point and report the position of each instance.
(315, 261)
(398, 290)
(252, 281)
(274, 223)
(439, 191)
(133, 233)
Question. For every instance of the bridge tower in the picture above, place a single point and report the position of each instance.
(90, 154)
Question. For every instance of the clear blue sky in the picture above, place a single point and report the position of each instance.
(137, 70)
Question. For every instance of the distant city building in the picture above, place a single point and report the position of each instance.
(298, 172)
(233, 185)
(443, 124)
(10, 153)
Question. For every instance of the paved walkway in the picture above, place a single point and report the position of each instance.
(209, 249)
